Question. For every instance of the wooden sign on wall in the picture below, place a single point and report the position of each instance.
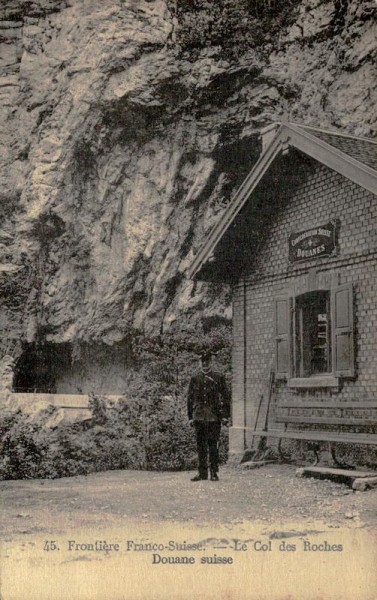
(312, 243)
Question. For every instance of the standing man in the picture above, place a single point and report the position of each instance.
(208, 404)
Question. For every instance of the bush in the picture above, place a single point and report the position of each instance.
(147, 430)
(134, 435)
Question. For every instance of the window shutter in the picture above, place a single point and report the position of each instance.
(282, 308)
(342, 331)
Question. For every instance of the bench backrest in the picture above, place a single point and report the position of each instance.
(327, 413)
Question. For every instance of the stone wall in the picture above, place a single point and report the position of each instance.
(50, 410)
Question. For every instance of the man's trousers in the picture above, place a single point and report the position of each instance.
(207, 438)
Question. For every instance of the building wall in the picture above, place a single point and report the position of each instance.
(324, 196)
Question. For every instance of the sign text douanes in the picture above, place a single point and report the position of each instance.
(312, 243)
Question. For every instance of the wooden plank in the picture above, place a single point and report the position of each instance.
(313, 420)
(320, 436)
(339, 475)
(345, 472)
(318, 404)
(343, 419)
(314, 382)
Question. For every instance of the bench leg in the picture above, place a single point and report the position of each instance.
(333, 455)
(316, 455)
(261, 449)
(282, 457)
(336, 462)
(313, 448)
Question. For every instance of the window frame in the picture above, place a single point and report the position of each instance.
(300, 357)
(342, 337)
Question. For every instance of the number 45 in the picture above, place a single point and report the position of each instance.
(50, 545)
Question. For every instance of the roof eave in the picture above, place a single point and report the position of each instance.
(287, 135)
(279, 144)
(334, 158)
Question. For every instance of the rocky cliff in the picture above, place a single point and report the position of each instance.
(120, 148)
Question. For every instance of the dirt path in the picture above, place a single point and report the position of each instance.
(270, 506)
(107, 499)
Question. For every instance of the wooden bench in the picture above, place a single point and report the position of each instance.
(361, 414)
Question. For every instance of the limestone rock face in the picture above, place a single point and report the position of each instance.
(6, 370)
(119, 151)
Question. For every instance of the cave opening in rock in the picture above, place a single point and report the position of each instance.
(67, 368)
(39, 367)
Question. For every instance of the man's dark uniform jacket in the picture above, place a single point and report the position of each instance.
(208, 397)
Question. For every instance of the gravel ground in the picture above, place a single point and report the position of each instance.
(272, 493)
(262, 510)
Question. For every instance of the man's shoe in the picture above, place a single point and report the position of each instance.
(214, 477)
(199, 478)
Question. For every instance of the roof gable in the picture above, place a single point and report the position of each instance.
(362, 149)
(354, 158)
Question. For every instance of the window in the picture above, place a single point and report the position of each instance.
(314, 336)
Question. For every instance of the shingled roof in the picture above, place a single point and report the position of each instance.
(353, 157)
(362, 149)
